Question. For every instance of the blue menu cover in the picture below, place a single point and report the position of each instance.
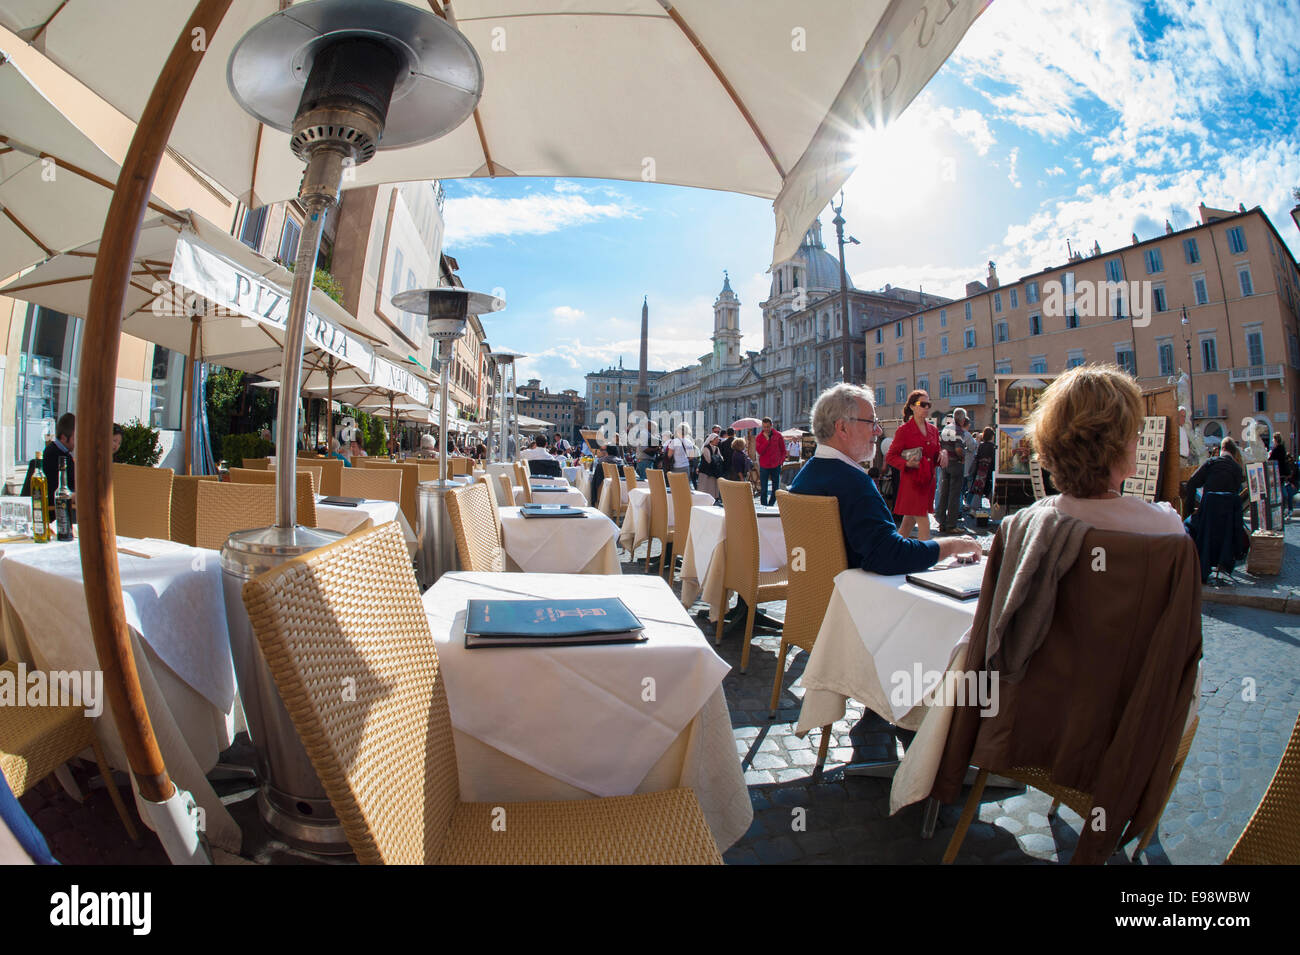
(530, 623)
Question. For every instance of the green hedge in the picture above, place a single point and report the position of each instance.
(140, 445)
(236, 447)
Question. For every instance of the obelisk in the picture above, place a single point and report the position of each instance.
(642, 378)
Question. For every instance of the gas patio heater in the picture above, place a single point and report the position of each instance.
(509, 422)
(448, 310)
(344, 80)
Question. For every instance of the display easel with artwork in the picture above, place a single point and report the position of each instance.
(1152, 448)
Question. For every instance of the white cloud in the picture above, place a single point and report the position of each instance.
(1011, 173)
(567, 315)
(1055, 171)
(476, 219)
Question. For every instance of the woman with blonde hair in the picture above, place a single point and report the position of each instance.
(1085, 431)
(916, 453)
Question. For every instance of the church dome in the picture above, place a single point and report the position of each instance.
(817, 268)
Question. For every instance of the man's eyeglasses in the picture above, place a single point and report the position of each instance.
(871, 421)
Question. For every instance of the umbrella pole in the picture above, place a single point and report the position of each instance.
(192, 408)
(329, 407)
(98, 375)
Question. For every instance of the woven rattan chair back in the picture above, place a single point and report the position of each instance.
(658, 518)
(477, 529)
(227, 506)
(460, 466)
(308, 481)
(612, 481)
(331, 473)
(383, 753)
(812, 525)
(740, 546)
(522, 480)
(1272, 837)
(142, 501)
(185, 506)
(410, 486)
(682, 502)
(629, 473)
(376, 484)
(257, 464)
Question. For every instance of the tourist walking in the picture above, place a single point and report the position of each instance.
(770, 446)
(915, 451)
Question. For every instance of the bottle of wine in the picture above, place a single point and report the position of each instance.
(40, 504)
(63, 503)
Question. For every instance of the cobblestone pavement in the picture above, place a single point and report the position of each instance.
(845, 819)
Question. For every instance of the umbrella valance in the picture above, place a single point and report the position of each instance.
(644, 90)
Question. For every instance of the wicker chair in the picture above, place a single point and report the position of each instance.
(226, 506)
(331, 471)
(376, 484)
(185, 506)
(478, 528)
(1272, 837)
(629, 473)
(659, 529)
(428, 472)
(257, 464)
(617, 506)
(386, 758)
(682, 502)
(37, 740)
(522, 480)
(740, 572)
(460, 466)
(410, 486)
(308, 480)
(812, 524)
(507, 491)
(142, 501)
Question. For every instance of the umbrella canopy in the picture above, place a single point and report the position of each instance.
(55, 184)
(526, 423)
(793, 433)
(746, 96)
(742, 424)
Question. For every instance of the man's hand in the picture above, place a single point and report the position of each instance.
(952, 546)
(943, 459)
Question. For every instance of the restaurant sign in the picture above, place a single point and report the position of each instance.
(230, 286)
(390, 377)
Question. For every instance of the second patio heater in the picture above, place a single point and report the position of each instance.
(509, 419)
(344, 79)
(448, 310)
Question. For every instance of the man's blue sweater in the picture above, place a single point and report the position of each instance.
(871, 538)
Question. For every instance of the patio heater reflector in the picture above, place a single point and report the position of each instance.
(343, 79)
(447, 311)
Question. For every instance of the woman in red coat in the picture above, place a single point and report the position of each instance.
(917, 476)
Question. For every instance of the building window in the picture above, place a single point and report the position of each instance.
(47, 378)
(945, 385)
(880, 336)
(250, 231)
(1004, 331)
(1112, 270)
(900, 352)
(972, 372)
(1190, 252)
(923, 384)
(289, 241)
(1211, 406)
(1074, 358)
(1116, 304)
(1255, 347)
(1031, 293)
(1155, 262)
(943, 344)
(1072, 320)
(1247, 286)
(970, 338)
(880, 394)
(1165, 352)
(1236, 240)
(1038, 365)
(898, 329)
(900, 393)
(1035, 324)
(997, 301)
(943, 318)
(1125, 359)
(1261, 401)
(880, 359)
(1015, 298)
(920, 324)
(1158, 297)
(920, 350)
(968, 311)
(1209, 354)
(1202, 294)
(1004, 367)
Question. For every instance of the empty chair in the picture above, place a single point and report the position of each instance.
(629, 473)
(257, 464)
(659, 529)
(477, 527)
(521, 476)
(331, 472)
(306, 489)
(507, 491)
(376, 484)
(681, 502)
(740, 573)
(428, 472)
(385, 755)
(617, 506)
(185, 506)
(410, 486)
(813, 524)
(226, 506)
(142, 501)
(460, 466)
(544, 468)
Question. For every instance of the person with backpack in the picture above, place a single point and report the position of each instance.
(955, 440)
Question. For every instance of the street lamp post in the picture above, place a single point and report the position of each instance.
(1191, 389)
(846, 363)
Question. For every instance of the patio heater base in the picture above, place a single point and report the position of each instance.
(291, 799)
(437, 554)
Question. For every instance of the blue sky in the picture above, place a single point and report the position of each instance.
(1054, 120)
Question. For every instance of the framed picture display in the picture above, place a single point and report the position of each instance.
(1255, 478)
(1273, 491)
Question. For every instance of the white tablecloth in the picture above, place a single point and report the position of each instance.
(177, 615)
(560, 545)
(337, 517)
(580, 478)
(572, 722)
(636, 522)
(567, 496)
(605, 505)
(702, 560)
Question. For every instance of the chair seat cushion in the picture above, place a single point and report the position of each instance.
(663, 828)
(35, 740)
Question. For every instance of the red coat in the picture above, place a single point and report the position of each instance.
(916, 485)
(771, 452)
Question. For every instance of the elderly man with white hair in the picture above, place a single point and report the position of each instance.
(844, 424)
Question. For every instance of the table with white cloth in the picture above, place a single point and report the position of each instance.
(340, 517)
(636, 522)
(887, 644)
(572, 722)
(605, 505)
(177, 619)
(496, 468)
(564, 495)
(560, 545)
(580, 478)
(702, 560)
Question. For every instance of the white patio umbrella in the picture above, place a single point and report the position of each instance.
(760, 97)
(636, 90)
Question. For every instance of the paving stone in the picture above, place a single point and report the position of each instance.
(1007, 824)
(777, 851)
(769, 761)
